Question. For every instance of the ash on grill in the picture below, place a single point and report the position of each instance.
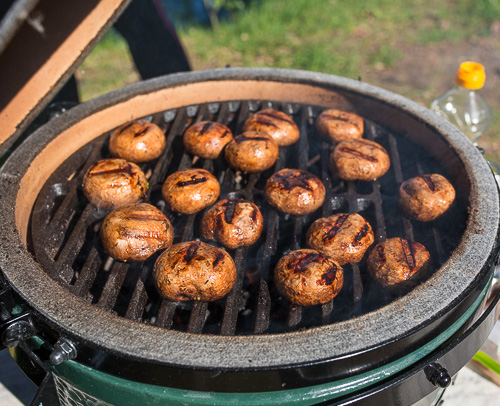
(66, 242)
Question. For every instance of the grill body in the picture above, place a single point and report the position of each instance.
(234, 360)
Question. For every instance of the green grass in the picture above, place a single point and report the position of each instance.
(108, 67)
(335, 37)
(348, 38)
(342, 37)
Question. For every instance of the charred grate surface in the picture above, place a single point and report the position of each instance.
(65, 229)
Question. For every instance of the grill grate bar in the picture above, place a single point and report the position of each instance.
(198, 317)
(166, 314)
(137, 302)
(127, 289)
(113, 284)
(398, 173)
(294, 316)
(139, 297)
(233, 300)
(88, 273)
(60, 218)
(74, 244)
(326, 210)
(263, 308)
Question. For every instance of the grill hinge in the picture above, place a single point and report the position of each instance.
(14, 328)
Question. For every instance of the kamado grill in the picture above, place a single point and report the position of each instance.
(101, 334)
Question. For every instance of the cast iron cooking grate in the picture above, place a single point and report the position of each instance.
(65, 229)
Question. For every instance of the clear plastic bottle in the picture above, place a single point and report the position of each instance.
(464, 105)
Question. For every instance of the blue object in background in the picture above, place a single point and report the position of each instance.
(186, 12)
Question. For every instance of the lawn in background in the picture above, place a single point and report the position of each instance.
(360, 40)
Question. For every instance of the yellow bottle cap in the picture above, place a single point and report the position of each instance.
(470, 75)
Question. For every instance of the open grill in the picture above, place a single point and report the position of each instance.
(65, 228)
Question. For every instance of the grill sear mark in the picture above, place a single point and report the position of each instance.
(274, 115)
(357, 154)
(329, 276)
(122, 169)
(380, 254)
(406, 188)
(218, 259)
(193, 181)
(362, 234)
(409, 252)
(375, 145)
(334, 229)
(127, 233)
(125, 127)
(291, 180)
(142, 132)
(341, 118)
(191, 252)
(428, 180)
(207, 126)
(302, 263)
(226, 132)
(230, 209)
(254, 214)
(143, 217)
(242, 138)
(260, 119)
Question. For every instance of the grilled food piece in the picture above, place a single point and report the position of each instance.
(112, 183)
(295, 191)
(251, 152)
(307, 277)
(359, 159)
(344, 237)
(426, 197)
(274, 123)
(137, 141)
(396, 260)
(190, 191)
(337, 125)
(233, 222)
(135, 232)
(207, 139)
(194, 271)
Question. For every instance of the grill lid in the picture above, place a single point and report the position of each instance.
(57, 35)
(347, 345)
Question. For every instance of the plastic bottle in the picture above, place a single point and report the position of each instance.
(464, 105)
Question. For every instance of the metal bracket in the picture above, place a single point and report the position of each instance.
(16, 330)
(13, 329)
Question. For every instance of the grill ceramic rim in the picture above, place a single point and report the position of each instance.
(138, 341)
